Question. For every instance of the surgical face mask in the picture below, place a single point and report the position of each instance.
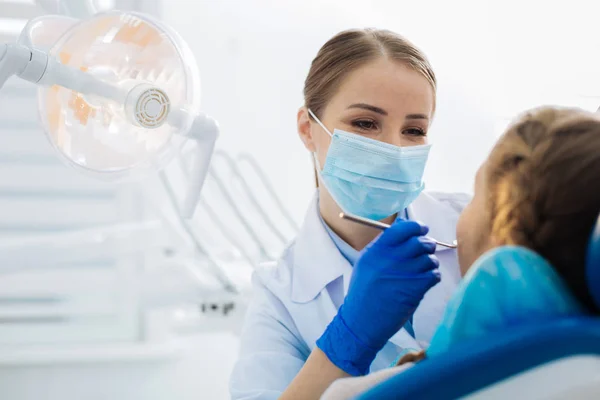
(369, 178)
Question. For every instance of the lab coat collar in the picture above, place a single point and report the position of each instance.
(318, 262)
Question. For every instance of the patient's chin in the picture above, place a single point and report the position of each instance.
(463, 258)
(467, 256)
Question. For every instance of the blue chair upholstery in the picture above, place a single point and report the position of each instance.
(593, 264)
(480, 363)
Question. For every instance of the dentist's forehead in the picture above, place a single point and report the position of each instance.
(388, 85)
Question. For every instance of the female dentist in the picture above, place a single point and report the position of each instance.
(369, 102)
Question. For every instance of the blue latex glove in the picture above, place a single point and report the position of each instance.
(388, 283)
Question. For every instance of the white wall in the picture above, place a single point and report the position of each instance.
(254, 56)
(493, 58)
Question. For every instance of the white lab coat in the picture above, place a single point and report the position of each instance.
(291, 305)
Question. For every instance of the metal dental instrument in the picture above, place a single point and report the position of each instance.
(382, 226)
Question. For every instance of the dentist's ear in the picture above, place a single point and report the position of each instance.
(305, 129)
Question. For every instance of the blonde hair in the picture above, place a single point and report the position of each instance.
(347, 51)
(543, 187)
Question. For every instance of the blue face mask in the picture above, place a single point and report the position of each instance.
(369, 178)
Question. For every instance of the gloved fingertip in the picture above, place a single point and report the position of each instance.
(399, 232)
(424, 228)
(435, 277)
(428, 244)
(434, 260)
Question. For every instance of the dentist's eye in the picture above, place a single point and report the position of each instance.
(414, 132)
(364, 124)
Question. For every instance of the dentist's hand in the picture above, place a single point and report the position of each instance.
(388, 283)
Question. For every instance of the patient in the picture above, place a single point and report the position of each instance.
(539, 189)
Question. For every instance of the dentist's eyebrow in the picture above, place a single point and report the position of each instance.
(368, 107)
(417, 116)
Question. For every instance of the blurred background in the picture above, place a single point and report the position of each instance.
(105, 295)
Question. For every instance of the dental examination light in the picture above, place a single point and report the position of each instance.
(119, 92)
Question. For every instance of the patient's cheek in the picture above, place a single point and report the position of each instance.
(470, 236)
(464, 260)
(473, 246)
(463, 241)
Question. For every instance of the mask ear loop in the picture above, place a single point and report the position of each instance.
(317, 164)
(319, 122)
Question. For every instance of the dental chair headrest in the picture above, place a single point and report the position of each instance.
(592, 268)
